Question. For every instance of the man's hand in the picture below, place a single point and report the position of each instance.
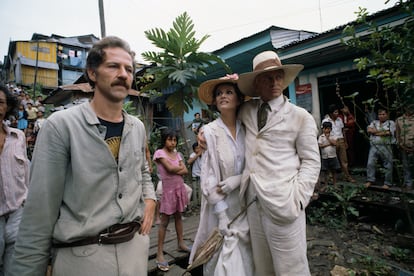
(148, 216)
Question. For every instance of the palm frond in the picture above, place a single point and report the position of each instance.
(179, 63)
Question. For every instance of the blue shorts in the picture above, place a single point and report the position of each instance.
(330, 164)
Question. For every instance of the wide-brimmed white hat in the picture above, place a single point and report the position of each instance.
(206, 89)
(264, 62)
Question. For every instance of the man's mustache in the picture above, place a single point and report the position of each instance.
(122, 83)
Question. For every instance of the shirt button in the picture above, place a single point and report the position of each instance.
(120, 169)
(120, 196)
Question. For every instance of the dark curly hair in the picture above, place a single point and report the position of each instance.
(12, 102)
(97, 53)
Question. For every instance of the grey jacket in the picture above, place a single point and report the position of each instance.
(77, 189)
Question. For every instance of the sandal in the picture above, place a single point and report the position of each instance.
(163, 266)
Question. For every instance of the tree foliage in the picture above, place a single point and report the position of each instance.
(179, 65)
(390, 58)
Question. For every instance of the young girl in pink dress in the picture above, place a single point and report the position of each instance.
(174, 198)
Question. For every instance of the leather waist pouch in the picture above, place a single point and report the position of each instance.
(117, 233)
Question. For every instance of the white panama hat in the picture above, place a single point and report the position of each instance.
(264, 62)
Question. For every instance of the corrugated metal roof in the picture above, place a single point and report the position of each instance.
(64, 92)
(338, 29)
(82, 41)
(239, 54)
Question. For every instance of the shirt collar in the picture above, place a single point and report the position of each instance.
(276, 103)
(9, 130)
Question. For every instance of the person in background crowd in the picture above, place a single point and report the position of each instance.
(370, 114)
(41, 107)
(382, 137)
(22, 118)
(196, 122)
(405, 139)
(27, 99)
(349, 131)
(221, 170)
(38, 101)
(330, 163)
(194, 161)
(39, 122)
(30, 139)
(14, 179)
(341, 143)
(91, 197)
(22, 100)
(31, 112)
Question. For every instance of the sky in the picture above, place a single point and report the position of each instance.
(225, 21)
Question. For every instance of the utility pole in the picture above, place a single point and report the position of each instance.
(102, 18)
(36, 68)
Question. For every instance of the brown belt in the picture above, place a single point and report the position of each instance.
(117, 233)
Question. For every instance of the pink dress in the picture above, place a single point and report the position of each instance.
(174, 196)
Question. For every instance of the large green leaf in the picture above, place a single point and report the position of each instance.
(390, 49)
(179, 64)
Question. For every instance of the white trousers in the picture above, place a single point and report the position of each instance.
(277, 249)
(126, 259)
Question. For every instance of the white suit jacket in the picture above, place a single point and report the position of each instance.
(282, 159)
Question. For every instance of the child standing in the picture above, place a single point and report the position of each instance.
(174, 196)
(330, 163)
(195, 162)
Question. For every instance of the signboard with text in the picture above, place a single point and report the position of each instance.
(304, 96)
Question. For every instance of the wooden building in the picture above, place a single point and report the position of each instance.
(49, 61)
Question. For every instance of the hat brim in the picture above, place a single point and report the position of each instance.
(205, 91)
(246, 80)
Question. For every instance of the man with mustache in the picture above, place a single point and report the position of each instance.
(91, 198)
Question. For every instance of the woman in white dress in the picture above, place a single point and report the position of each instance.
(221, 169)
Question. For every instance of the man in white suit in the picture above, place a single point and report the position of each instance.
(282, 167)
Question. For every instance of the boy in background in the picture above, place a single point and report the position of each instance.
(330, 163)
(195, 162)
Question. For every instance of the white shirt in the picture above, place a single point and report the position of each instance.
(329, 151)
(195, 168)
(337, 126)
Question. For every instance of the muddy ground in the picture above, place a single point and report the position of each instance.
(377, 242)
(358, 231)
